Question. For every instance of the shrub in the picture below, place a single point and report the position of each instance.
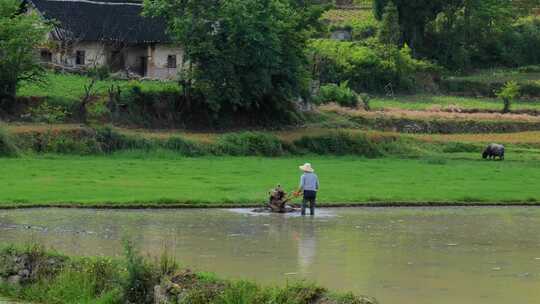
(365, 98)
(98, 111)
(241, 292)
(72, 286)
(369, 66)
(184, 147)
(249, 143)
(299, 293)
(151, 106)
(48, 113)
(457, 147)
(68, 144)
(340, 94)
(141, 278)
(339, 144)
(111, 141)
(7, 146)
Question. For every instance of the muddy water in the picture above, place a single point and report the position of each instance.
(405, 256)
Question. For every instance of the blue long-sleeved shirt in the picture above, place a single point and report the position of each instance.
(309, 181)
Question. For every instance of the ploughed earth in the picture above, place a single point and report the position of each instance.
(397, 255)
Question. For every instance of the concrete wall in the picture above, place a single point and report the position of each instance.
(157, 67)
(341, 35)
(132, 56)
(94, 55)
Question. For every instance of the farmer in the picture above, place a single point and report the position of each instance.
(309, 184)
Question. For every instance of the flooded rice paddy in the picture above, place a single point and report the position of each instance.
(398, 255)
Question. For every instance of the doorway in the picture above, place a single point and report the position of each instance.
(144, 66)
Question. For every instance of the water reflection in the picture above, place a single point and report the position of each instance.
(406, 256)
(307, 245)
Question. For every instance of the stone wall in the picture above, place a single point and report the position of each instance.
(18, 268)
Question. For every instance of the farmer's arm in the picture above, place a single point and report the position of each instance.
(317, 183)
(302, 183)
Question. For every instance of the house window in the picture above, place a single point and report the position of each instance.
(45, 56)
(171, 61)
(79, 57)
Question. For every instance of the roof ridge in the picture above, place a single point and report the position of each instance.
(98, 2)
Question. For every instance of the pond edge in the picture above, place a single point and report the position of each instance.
(179, 205)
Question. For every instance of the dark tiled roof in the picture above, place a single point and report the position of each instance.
(102, 20)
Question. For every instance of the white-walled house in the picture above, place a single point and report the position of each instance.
(112, 33)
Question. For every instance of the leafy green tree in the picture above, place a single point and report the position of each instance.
(389, 31)
(241, 54)
(414, 15)
(470, 32)
(509, 92)
(20, 35)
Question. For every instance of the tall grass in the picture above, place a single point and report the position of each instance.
(339, 144)
(249, 143)
(7, 146)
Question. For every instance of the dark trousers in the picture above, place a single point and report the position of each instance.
(309, 196)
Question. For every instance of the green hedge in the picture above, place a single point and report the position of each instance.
(106, 140)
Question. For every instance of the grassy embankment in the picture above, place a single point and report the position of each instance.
(423, 102)
(68, 89)
(50, 277)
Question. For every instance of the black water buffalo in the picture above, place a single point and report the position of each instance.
(492, 151)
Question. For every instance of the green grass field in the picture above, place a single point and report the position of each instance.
(501, 75)
(422, 102)
(125, 178)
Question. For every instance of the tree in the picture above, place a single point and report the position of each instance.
(414, 15)
(389, 31)
(509, 92)
(240, 54)
(470, 31)
(20, 35)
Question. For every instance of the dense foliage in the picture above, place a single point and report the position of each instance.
(20, 34)
(241, 54)
(389, 31)
(367, 65)
(341, 94)
(463, 34)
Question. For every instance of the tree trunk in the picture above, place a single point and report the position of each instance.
(8, 92)
(506, 108)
